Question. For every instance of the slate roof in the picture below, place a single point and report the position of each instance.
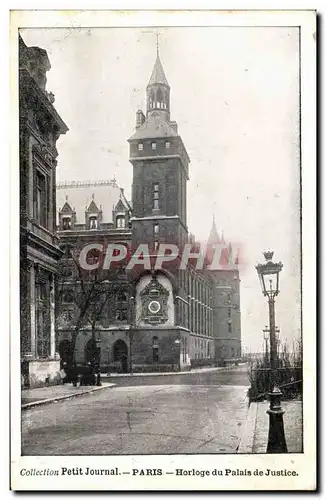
(84, 195)
(158, 75)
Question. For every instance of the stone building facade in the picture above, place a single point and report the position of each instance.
(176, 316)
(40, 126)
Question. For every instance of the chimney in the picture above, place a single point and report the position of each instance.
(140, 118)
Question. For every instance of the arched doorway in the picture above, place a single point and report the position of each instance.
(120, 355)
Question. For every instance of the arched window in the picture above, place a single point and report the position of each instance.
(93, 222)
(151, 99)
(66, 223)
(121, 222)
(159, 96)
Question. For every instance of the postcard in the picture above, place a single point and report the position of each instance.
(163, 275)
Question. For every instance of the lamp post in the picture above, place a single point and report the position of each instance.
(269, 278)
(98, 357)
(278, 343)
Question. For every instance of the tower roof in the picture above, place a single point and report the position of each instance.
(214, 236)
(153, 128)
(158, 75)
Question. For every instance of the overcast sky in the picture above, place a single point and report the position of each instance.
(235, 96)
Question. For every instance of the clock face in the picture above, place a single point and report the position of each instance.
(154, 307)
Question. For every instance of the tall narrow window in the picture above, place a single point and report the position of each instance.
(121, 222)
(153, 145)
(156, 203)
(41, 208)
(140, 146)
(93, 222)
(167, 145)
(156, 228)
(121, 312)
(66, 223)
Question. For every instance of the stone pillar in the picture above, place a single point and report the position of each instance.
(49, 195)
(202, 309)
(192, 304)
(207, 311)
(31, 179)
(33, 310)
(197, 308)
(52, 316)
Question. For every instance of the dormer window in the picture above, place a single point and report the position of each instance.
(66, 223)
(153, 145)
(140, 146)
(167, 145)
(93, 222)
(121, 222)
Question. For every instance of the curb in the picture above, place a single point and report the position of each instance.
(26, 406)
(162, 374)
(248, 434)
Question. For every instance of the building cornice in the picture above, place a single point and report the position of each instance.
(25, 75)
(38, 242)
(70, 233)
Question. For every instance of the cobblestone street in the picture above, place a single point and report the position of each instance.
(189, 416)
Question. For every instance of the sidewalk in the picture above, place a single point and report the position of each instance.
(188, 372)
(255, 433)
(44, 395)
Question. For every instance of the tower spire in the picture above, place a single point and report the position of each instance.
(158, 90)
(214, 236)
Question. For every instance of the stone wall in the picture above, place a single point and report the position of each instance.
(43, 372)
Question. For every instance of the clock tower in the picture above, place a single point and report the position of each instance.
(160, 170)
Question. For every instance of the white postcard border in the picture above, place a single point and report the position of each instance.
(304, 464)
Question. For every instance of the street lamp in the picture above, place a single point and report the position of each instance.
(266, 332)
(268, 274)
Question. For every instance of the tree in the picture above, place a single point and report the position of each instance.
(86, 293)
